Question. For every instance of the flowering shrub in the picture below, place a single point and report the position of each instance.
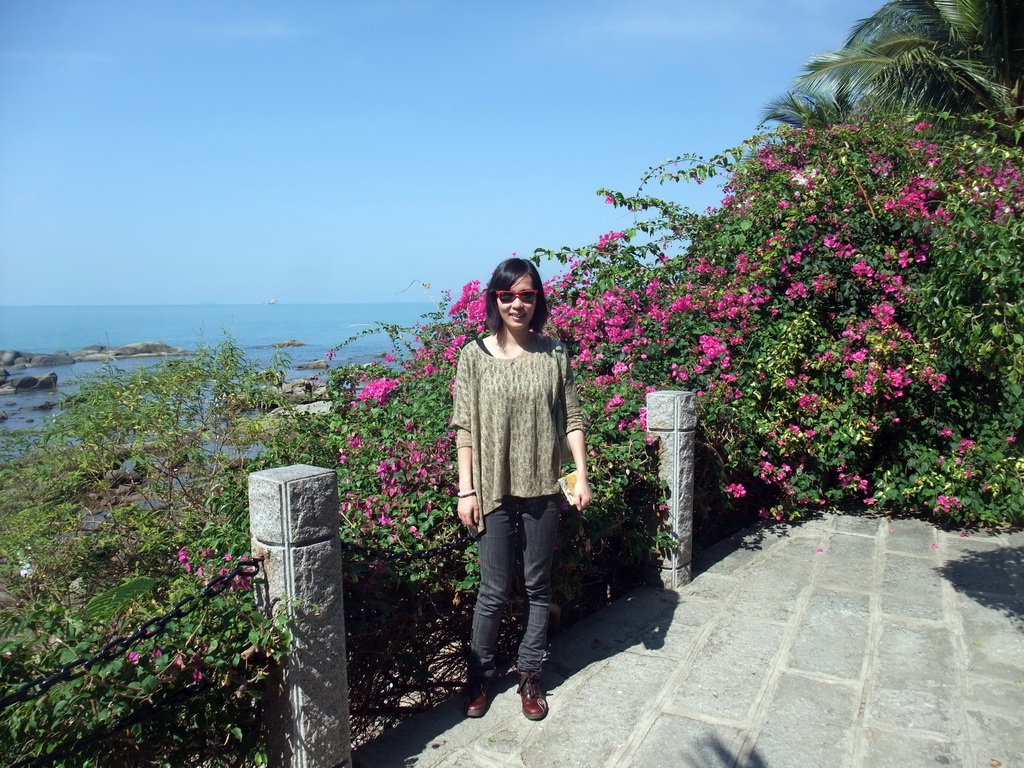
(849, 318)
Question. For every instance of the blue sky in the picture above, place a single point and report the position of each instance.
(190, 151)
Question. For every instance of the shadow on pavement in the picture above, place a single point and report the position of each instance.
(753, 538)
(991, 578)
(644, 616)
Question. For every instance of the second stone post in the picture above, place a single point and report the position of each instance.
(672, 419)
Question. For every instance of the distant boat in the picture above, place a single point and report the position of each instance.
(270, 301)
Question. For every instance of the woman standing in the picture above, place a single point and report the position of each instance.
(516, 406)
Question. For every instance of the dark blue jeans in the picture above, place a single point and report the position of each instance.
(519, 526)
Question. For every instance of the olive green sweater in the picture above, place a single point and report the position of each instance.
(514, 414)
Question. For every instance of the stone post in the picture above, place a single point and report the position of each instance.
(293, 517)
(671, 418)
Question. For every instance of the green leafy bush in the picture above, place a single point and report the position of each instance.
(110, 516)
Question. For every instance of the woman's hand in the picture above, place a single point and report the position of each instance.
(581, 495)
(469, 512)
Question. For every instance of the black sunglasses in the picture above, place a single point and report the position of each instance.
(507, 297)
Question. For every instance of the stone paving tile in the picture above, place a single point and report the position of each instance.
(911, 536)
(915, 655)
(712, 586)
(911, 586)
(468, 758)
(614, 629)
(986, 569)
(677, 641)
(996, 738)
(679, 742)
(809, 723)
(725, 559)
(639, 608)
(994, 638)
(867, 524)
(929, 709)
(774, 592)
(972, 541)
(615, 697)
(696, 612)
(906, 749)
(832, 614)
(995, 695)
(761, 539)
(502, 744)
(1013, 538)
(916, 680)
(802, 546)
(728, 673)
(849, 562)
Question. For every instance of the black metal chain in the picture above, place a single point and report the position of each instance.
(75, 669)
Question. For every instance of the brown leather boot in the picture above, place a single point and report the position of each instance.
(535, 705)
(475, 697)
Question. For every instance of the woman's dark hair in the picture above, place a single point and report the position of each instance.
(505, 276)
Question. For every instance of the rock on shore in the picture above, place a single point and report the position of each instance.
(140, 349)
(27, 383)
(302, 390)
(16, 360)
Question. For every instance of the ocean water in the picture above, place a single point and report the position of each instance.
(254, 328)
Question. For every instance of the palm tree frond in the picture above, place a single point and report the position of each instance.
(960, 56)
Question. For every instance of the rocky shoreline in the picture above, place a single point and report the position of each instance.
(16, 360)
(296, 391)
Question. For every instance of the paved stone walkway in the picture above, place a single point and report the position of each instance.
(846, 641)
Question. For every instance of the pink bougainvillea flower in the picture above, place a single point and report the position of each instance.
(605, 240)
(378, 389)
(736, 489)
